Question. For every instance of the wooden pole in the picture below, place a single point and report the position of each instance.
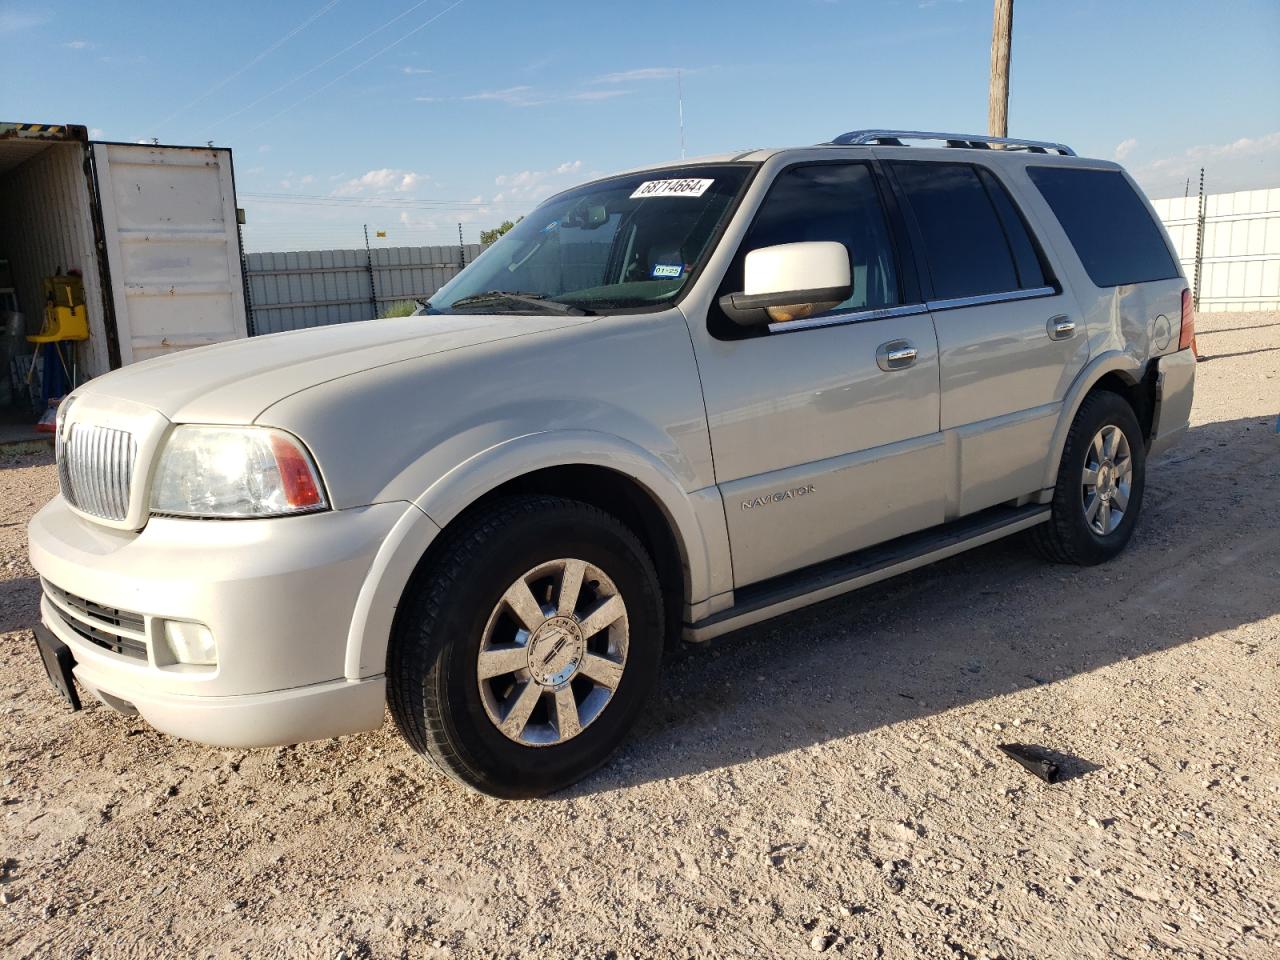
(1001, 44)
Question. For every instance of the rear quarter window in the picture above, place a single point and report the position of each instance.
(1110, 227)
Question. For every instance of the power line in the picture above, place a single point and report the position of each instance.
(362, 63)
(254, 62)
(323, 63)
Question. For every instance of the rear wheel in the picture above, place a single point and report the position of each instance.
(524, 654)
(1101, 479)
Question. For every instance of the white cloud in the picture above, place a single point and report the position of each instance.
(96, 133)
(385, 180)
(597, 94)
(642, 73)
(15, 21)
(77, 44)
(1244, 164)
(265, 148)
(533, 184)
(519, 96)
(1124, 148)
(414, 71)
(524, 95)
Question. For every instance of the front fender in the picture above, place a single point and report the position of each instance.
(696, 519)
(1113, 361)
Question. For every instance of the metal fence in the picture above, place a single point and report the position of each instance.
(1239, 244)
(314, 288)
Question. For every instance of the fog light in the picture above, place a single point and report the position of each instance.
(190, 643)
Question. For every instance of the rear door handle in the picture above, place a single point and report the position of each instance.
(1061, 327)
(895, 355)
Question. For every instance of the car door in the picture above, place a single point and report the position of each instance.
(822, 444)
(1009, 338)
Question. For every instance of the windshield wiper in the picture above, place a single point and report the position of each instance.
(537, 300)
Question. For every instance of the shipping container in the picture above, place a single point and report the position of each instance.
(151, 229)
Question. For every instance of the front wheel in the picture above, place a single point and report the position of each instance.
(524, 653)
(1101, 478)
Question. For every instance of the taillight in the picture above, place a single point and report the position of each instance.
(1187, 338)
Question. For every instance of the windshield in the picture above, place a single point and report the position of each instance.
(626, 242)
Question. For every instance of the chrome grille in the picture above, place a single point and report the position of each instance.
(95, 469)
(120, 631)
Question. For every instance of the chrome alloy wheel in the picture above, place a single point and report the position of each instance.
(553, 652)
(1107, 480)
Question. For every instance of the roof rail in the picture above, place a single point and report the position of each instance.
(894, 138)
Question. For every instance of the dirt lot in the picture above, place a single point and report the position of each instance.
(827, 782)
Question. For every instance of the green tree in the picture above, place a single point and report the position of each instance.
(490, 236)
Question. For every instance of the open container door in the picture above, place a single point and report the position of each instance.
(173, 247)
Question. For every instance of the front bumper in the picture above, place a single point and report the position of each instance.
(278, 596)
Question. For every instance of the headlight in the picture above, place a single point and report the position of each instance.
(59, 426)
(235, 472)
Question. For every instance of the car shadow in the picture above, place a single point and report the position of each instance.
(1206, 357)
(978, 626)
(25, 453)
(19, 603)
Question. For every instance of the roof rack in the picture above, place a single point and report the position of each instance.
(894, 138)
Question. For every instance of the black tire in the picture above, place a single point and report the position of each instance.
(432, 676)
(1067, 536)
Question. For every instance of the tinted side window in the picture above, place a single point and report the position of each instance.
(1113, 234)
(830, 201)
(964, 241)
(1025, 257)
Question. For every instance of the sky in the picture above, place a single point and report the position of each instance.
(412, 116)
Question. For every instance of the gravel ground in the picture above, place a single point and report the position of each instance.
(825, 783)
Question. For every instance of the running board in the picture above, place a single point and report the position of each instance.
(822, 581)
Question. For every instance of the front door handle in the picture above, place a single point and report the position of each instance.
(1061, 327)
(895, 355)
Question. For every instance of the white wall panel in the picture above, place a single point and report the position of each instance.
(1240, 269)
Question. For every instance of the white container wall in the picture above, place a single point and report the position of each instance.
(169, 215)
(1240, 269)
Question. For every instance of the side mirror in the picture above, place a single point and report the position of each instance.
(790, 281)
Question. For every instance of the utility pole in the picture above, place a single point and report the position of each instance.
(1195, 288)
(373, 286)
(680, 105)
(1001, 46)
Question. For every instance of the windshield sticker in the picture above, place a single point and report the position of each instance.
(667, 270)
(671, 188)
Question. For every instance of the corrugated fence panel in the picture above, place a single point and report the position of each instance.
(1240, 264)
(313, 288)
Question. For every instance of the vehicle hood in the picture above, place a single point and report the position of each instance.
(234, 382)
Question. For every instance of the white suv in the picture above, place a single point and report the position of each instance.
(679, 400)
